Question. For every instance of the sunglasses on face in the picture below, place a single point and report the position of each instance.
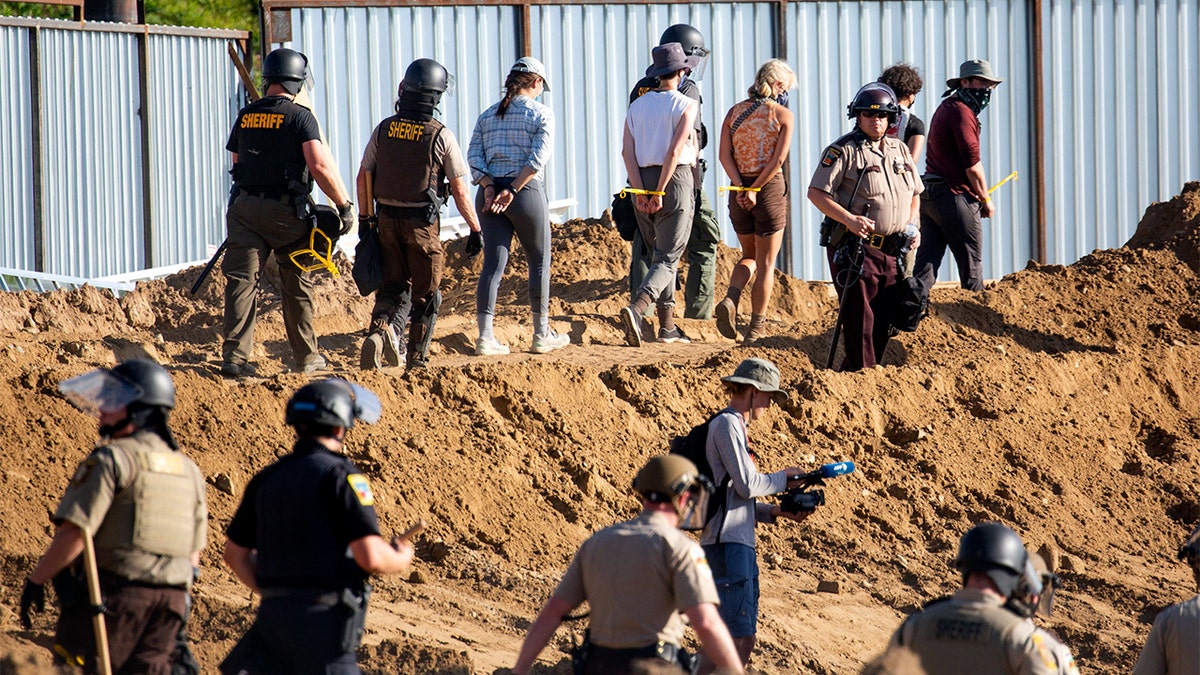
(875, 114)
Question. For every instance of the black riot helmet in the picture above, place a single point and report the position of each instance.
(425, 75)
(996, 551)
(155, 382)
(875, 97)
(687, 36)
(333, 402)
(287, 67)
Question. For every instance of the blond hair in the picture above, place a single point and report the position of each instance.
(768, 75)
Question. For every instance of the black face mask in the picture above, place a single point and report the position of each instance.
(976, 99)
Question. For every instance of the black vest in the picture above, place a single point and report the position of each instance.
(405, 168)
(270, 153)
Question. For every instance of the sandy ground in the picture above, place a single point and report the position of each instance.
(1064, 401)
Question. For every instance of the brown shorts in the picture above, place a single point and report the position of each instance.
(769, 214)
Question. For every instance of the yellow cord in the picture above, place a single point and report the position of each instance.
(1006, 179)
(722, 189)
(638, 191)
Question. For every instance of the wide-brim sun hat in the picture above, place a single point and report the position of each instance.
(669, 58)
(973, 68)
(760, 374)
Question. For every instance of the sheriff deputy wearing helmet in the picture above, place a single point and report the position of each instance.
(1172, 646)
(412, 161)
(868, 188)
(639, 576)
(1035, 595)
(305, 538)
(972, 631)
(143, 503)
(277, 154)
(706, 231)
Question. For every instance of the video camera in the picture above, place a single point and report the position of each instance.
(803, 499)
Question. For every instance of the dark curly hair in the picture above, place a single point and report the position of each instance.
(904, 79)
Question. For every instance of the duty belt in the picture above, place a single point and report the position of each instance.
(662, 650)
(317, 596)
(890, 244)
(262, 193)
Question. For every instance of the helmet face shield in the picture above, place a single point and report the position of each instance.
(697, 73)
(366, 404)
(694, 513)
(99, 391)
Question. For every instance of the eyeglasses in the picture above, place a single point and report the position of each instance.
(874, 114)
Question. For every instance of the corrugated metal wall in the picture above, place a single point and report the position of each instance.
(837, 47)
(194, 97)
(1121, 83)
(16, 135)
(93, 184)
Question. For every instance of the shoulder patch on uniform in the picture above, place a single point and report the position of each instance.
(84, 471)
(362, 489)
(1044, 653)
(700, 560)
(832, 153)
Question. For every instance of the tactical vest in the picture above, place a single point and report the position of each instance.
(155, 513)
(953, 638)
(298, 541)
(270, 154)
(405, 168)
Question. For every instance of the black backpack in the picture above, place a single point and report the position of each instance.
(694, 446)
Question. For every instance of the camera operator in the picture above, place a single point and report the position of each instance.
(728, 538)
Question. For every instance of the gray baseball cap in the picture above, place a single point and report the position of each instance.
(760, 374)
(528, 64)
(973, 68)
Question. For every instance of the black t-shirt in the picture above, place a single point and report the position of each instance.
(268, 136)
(915, 127)
(301, 513)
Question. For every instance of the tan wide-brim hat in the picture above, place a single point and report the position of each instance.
(760, 374)
(973, 68)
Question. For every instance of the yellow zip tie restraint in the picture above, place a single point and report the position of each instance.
(323, 261)
(638, 191)
(722, 189)
(1006, 179)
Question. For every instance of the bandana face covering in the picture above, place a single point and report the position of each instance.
(976, 99)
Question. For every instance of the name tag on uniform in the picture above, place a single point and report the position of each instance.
(362, 489)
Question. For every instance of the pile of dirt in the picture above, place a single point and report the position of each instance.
(1064, 401)
(1173, 225)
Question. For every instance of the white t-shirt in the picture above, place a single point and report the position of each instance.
(652, 120)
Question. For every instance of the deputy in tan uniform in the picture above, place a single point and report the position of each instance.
(413, 161)
(1035, 595)
(868, 188)
(143, 502)
(638, 577)
(1173, 645)
(972, 631)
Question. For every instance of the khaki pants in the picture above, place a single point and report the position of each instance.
(256, 227)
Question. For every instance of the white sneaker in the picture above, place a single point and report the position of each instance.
(490, 347)
(544, 344)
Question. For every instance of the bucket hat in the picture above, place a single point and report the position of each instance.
(760, 374)
(528, 64)
(973, 68)
(669, 58)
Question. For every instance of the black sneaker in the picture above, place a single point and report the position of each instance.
(673, 335)
(632, 324)
(230, 369)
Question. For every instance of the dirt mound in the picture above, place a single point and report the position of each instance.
(1173, 225)
(1061, 400)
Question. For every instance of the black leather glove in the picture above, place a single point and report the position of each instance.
(346, 213)
(474, 244)
(367, 222)
(33, 597)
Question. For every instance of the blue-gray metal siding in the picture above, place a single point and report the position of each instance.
(16, 136)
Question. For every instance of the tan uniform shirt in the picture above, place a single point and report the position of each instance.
(1064, 660)
(1173, 646)
(972, 632)
(638, 576)
(889, 179)
(446, 154)
(98, 480)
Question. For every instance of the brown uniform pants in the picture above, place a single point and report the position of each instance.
(867, 307)
(412, 254)
(617, 665)
(142, 624)
(256, 227)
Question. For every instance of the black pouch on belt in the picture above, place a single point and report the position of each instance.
(354, 605)
(832, 232)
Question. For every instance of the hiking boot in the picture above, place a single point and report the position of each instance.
(544, 344)
(632, 324)
(313, 363)
(726, 313)
(392, 354)
(230, 369)
(371, 356)
(490, 346)
(414, 361)
(673, 335)
(757, 329)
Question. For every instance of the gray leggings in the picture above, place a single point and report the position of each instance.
(528, 217)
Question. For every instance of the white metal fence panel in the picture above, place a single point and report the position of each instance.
(92, 150)
(1121, 81)
(837, 47)
(603, 50)
(194, 96)
(357, 57)
(16, 136)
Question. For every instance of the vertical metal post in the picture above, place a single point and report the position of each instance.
(1039, 139)
(526, 31)
(35, 110)
(143, 49)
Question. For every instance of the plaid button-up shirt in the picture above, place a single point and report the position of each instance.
(503, 145)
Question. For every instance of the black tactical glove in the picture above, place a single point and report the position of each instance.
(33, 597)
(346, 213)
(474, 244)
(367, 222)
